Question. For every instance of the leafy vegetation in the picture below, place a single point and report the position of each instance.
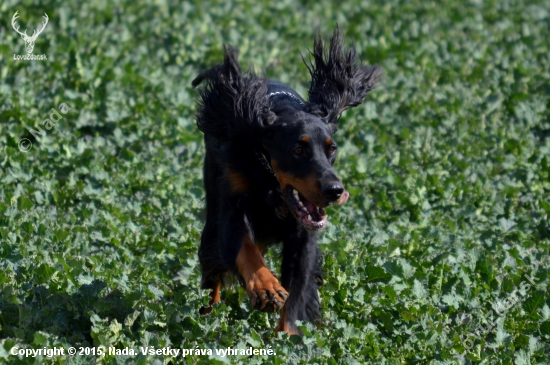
(448, 165)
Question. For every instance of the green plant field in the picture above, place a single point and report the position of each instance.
(441, 255)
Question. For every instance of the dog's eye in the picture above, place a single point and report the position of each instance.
(332, 149)
(298, 151)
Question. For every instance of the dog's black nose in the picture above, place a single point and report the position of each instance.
(332, 191)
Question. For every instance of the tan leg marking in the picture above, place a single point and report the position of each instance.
(264, 290)
(283, 325)
(214, 298)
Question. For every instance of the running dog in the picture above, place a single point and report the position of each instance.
(268, 175)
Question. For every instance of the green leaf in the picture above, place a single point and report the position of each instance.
(377, 274)
(24, 203)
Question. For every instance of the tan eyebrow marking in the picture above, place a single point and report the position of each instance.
(328, 141)
(305, 139)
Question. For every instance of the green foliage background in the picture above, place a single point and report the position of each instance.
(448, 165)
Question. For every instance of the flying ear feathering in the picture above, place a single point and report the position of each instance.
(337, 81)
(232, 103)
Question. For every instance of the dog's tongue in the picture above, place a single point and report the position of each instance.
(312, 208)
(343, 198)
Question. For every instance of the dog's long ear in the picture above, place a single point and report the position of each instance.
(232, 103)
(337, 81)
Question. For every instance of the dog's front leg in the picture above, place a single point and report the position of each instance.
(301, 273)
(262, 286)
(243, 256)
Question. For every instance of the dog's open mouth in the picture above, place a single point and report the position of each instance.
(310, 215)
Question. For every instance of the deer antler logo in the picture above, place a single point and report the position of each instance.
(29, 41)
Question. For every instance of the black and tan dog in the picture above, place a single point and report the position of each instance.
(268, 175)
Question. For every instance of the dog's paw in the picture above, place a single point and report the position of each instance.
(288, 328)
(205, 310)
(214, 298)
(265, 292)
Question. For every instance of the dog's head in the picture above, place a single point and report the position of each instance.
(297, 135)
(299, 139)
(302, 151)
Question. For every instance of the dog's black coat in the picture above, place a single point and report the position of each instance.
(251, 125)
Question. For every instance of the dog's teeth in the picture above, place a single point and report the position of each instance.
(309, 217)
(300, 203)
